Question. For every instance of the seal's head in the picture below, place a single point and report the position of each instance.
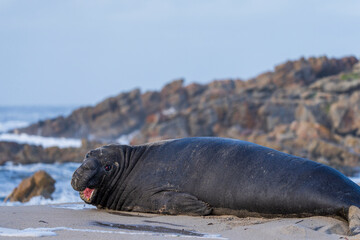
(95, 172)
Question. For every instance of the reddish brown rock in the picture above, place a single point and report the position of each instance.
(306, 71)
(310, 131)
(194, 89)
(173, 95)
(274, 113)
(39, 184)
(150, 101)
(352, 143)
(345, 114)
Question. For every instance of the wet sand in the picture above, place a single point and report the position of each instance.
(74, 221)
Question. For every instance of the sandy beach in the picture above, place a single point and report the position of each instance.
(79, 221)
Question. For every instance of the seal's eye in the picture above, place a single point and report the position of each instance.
(107, 168)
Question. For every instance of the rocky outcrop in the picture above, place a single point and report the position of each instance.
(39, 184)
(309, 107)
(25, 153)
(121, 114)
(306, 71)
(263, 102)
(127, 112)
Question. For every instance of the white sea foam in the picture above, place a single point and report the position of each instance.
(39, 140)
(42, 232)
(8, 125)
(28, 232)
(75, 206)
(169, 111)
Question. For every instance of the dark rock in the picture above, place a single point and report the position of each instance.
(25, 153)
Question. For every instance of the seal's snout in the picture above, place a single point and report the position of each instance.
(86, 175)
(74, 184)
(75, 181)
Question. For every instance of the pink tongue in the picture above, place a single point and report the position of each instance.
(87, 192)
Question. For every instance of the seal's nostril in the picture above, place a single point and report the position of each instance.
(75, 175)
(74, 182)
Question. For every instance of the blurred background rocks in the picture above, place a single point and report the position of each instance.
(309, 108)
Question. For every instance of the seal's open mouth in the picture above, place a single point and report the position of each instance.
(87, 195)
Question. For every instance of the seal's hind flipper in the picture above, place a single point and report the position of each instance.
(354, 220)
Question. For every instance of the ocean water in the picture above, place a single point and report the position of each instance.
(39, 140)
(22, 116)
(11, 175)
(12, 117)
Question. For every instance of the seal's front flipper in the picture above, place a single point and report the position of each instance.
(169, 202)
(354, 220)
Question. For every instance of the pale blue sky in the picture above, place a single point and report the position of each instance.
(80, 52)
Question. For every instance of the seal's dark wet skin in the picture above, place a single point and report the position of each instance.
(149, 228)
(205, 175)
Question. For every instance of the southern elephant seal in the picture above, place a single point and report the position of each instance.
(200, 176)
